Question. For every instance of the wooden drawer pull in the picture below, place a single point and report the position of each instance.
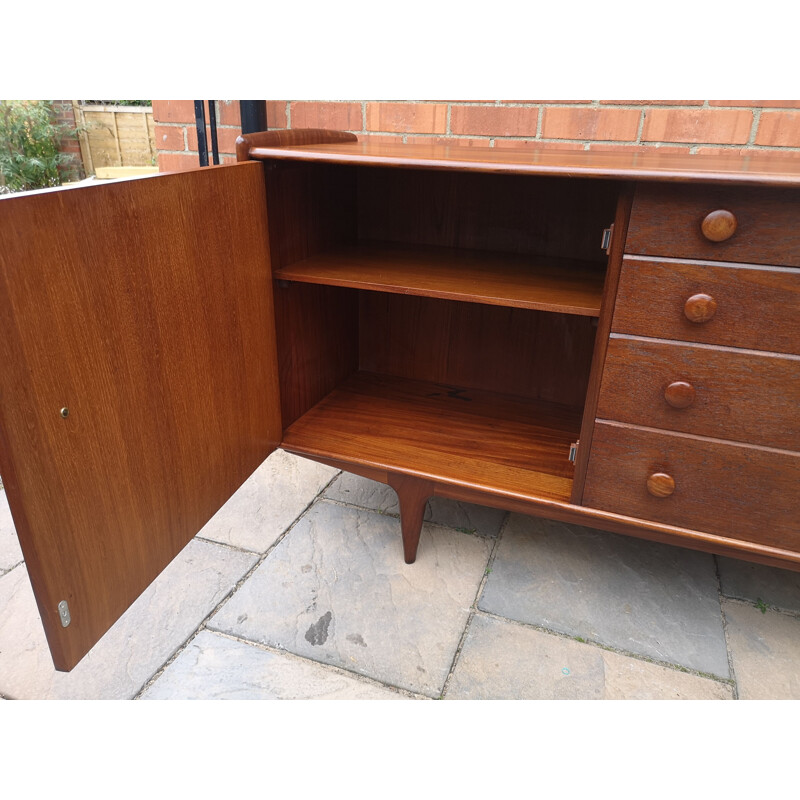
(718, 226)
(679, 394)
(700, 308)
(659, 484)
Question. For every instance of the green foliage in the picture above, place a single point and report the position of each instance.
(30, 138)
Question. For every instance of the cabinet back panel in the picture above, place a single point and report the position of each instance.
(317, 337)
(506, 213)
(311, 209)
(531, 354)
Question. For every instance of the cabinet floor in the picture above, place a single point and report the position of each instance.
(445, 433)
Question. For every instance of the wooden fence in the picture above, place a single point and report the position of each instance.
(115, 136)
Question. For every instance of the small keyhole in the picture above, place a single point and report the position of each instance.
(65, 412)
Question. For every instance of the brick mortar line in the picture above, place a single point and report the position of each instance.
(750, 145)
(259, 561)
(625, 142)
(610, 648)
(492, 137)
(754, 127)
(640, 126)
(191, 124)
(473, 610)
(592, 104)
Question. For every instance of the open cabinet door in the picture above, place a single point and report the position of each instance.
(138, 380)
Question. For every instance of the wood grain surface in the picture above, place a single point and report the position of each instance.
(312, 209)
(504, 350)
(442, 433)
(756, 307)
(288, 138)
(668, 221)
(412, 496)
(145, 308)
(501, 279)
(615, 254)
(655, 165)
(741, 395)
(521, 214)
(732, 490)
(317, 337)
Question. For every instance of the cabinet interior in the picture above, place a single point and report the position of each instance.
(436, 322)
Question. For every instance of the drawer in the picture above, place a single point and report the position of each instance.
(751, 307)
(731, 490)
(670, 220)
(741, 395)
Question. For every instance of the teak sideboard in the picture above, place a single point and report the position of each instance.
(606, 339)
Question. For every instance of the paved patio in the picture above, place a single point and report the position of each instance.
(297, 589)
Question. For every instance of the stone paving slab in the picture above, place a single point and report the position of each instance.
(337, 590)
(464, 517)
(754, 582)
(214, 667)
(645, 598)
(10, 552)
(135, 648)
(504, 660)
(268, 502)
(765, 651)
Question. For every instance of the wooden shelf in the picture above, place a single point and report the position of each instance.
(463, 437)
(661, 164)
(504, 279)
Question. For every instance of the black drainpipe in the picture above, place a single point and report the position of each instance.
(254, 118)
(254, 115)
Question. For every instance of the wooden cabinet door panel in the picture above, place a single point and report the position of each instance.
(138, 379)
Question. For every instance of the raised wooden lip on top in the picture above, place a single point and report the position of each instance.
(656, 164)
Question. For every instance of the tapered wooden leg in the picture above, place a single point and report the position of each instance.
(413, 494)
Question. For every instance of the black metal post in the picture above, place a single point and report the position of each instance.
(254, 115)
(212, 122)
(200, 122)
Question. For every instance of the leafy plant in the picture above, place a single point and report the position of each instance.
(30, 138)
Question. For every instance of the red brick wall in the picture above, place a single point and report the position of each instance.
(69, 143)
(686, 126)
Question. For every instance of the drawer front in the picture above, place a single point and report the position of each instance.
(734, 305)
(762, 226)
(728, 394)
(736, 491)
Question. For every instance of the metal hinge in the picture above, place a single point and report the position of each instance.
(63, 612)
(573, 450)
(608, 235)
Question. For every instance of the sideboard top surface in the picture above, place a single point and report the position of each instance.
(652, 165)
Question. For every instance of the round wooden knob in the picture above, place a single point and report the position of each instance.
(719, 225)
(679, 394)
(700, 308)
(659, 484)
